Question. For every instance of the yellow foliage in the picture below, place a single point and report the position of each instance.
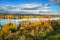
(1, 33)
(4, 29)
(11, 25)
(21, 28)
(32, 32)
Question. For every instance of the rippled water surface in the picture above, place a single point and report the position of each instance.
(4, 21)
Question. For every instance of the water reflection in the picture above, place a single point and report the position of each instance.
(4, 21)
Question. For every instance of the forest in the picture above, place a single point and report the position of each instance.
(31, 30)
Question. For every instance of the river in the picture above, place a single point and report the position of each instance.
(4, 21)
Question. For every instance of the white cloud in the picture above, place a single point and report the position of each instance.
(27, 8)
(29, 5)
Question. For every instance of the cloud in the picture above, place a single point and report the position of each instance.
(27, 9)
(55, 2)
(30, 5)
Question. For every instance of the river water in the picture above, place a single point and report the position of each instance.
(4, 21)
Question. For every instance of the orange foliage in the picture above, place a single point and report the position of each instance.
(6, 27)
(27, 24)
(46, 23)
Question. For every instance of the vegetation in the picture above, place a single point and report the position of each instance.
(18, 16)
(27, 30)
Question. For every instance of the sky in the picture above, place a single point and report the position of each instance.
(21, 6)
(15, 2)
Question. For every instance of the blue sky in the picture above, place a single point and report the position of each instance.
(18, 2)
(14, 2)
